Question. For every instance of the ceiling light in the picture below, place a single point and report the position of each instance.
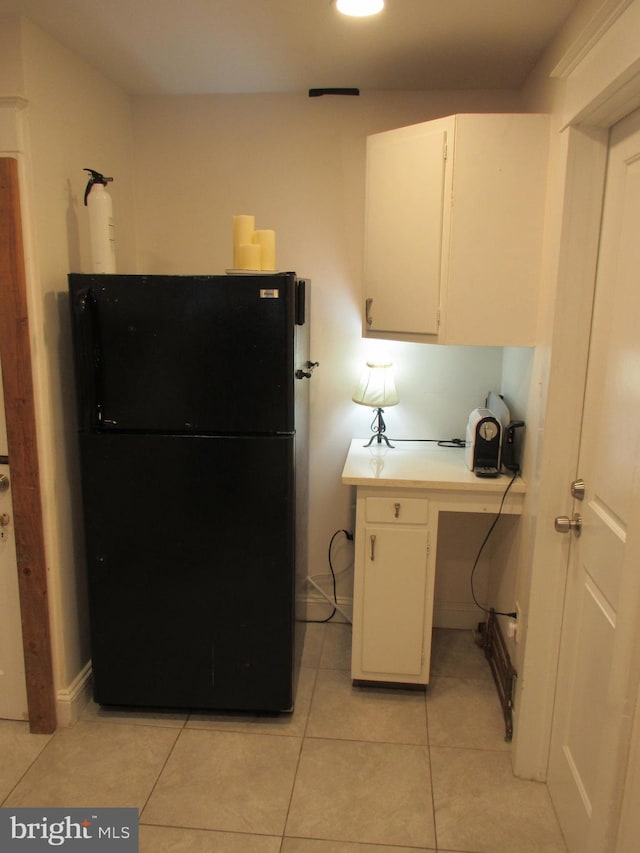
(359, 8)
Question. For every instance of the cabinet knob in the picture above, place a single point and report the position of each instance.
(367, 311)
(396, 510)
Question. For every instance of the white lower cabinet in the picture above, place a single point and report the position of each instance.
(401, 495)
(393, 590)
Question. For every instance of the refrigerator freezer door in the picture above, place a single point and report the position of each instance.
(185, 354)
(190, 548)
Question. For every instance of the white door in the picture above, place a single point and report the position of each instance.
(598, 672)
(13, 694)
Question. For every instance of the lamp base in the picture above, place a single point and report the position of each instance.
(379, 428)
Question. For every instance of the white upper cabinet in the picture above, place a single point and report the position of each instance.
(453, 230)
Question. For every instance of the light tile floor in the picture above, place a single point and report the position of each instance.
(353, 770)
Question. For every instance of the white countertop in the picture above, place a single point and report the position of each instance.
(418, 465)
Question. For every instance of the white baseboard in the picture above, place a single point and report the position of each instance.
(457, 616)
(317, 608)
(71, 700)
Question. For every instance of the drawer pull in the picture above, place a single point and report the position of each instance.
(372, 539)
(396, 510)
(367, 310)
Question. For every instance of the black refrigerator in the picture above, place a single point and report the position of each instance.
(192, 397)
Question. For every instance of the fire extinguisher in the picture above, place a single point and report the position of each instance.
(101, 228)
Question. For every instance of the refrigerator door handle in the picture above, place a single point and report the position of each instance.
(91, 357)
(301, 300)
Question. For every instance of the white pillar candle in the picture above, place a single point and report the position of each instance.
(243, 228)
(267, 242)
(248, 257)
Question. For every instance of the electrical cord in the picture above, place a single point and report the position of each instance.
(333, 577)
(459, 442)
(441, 442)
(481, 549)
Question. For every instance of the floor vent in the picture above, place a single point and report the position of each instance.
(490, 639)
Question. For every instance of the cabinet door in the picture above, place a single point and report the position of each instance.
(492, 248)
(393, 604)
(403, 229)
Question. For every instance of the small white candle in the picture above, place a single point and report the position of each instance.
(243, 228)
(248, 257)
(266, 239)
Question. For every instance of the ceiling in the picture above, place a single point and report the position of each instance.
(232, 46)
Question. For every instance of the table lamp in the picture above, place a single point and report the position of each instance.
(377, 389)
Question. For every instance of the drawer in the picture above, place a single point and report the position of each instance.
(395, 510)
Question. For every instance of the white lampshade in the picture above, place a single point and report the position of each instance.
(360, 8)
(376, 387)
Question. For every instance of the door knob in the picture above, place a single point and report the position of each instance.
(4, 483)
(564, 524)
(4, 519)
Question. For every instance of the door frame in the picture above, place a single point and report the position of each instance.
(20, 413)
(601, 74)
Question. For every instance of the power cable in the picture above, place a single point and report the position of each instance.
(349, 537)
(481, 549)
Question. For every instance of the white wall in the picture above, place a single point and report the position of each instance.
(74, 118)
(298, 165)
(11, 68)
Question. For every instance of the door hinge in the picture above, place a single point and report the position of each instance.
(428, 543)
(438, 312)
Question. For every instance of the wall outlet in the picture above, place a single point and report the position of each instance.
(518, 621)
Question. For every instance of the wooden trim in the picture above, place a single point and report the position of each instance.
(604, 18)
(604, 86)
(15, 352)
